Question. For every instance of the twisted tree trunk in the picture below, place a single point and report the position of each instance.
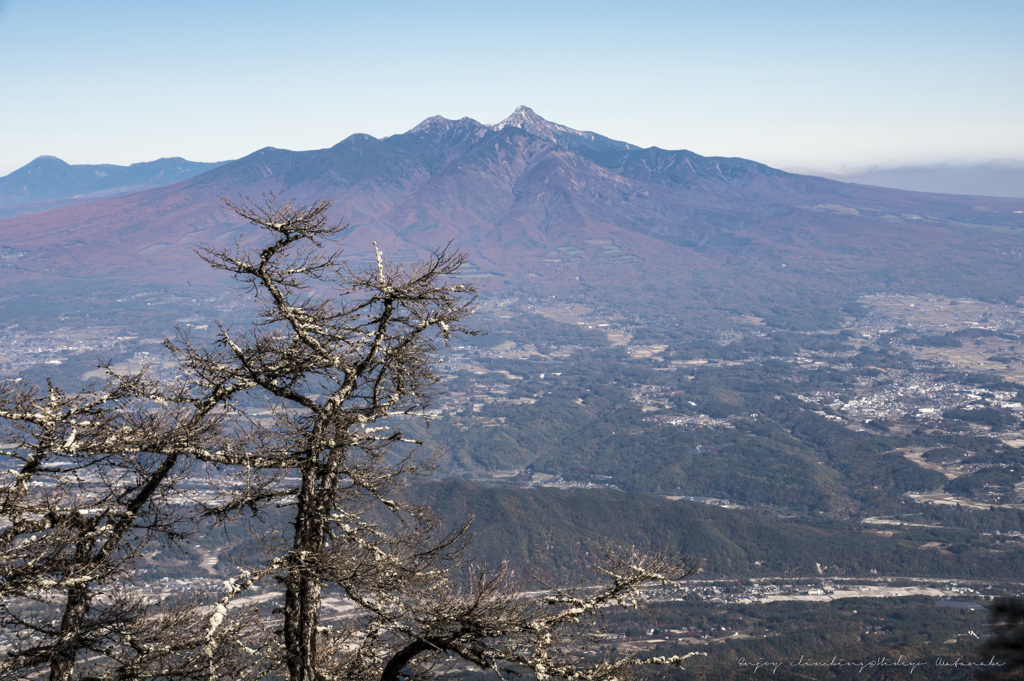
(65, 649)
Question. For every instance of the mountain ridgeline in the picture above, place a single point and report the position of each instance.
(546, 210)
(48, 182)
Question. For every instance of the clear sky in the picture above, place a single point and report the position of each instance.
(816, 84)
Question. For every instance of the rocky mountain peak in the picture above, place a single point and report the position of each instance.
(433, 124)
(439, 128)
(527, 119)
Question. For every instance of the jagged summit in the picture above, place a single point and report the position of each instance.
(527, 119)
(433, 124)
(523, 117)
(440, 124)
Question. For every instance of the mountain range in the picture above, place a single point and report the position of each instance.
(543, 209)
(668, 247)
(48, 182)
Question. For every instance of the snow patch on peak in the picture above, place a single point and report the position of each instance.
(434, 124)
(522, 115)
(527, 119)
(441, 130)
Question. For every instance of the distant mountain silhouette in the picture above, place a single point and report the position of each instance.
(48, 181)
(547, 210)
(996, 178)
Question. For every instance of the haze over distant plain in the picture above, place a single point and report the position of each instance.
(793, 84)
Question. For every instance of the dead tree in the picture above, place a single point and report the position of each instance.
(492, 623)
(337, 351)
(312, 398)
(89, 482)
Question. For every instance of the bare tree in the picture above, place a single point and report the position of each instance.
(492, 623)
(336, 351)
(89, 483)
(301, 410)
(312, 398)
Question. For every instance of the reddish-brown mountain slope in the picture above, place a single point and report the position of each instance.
(545, 209)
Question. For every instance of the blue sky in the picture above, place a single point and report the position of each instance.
(818, 84)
